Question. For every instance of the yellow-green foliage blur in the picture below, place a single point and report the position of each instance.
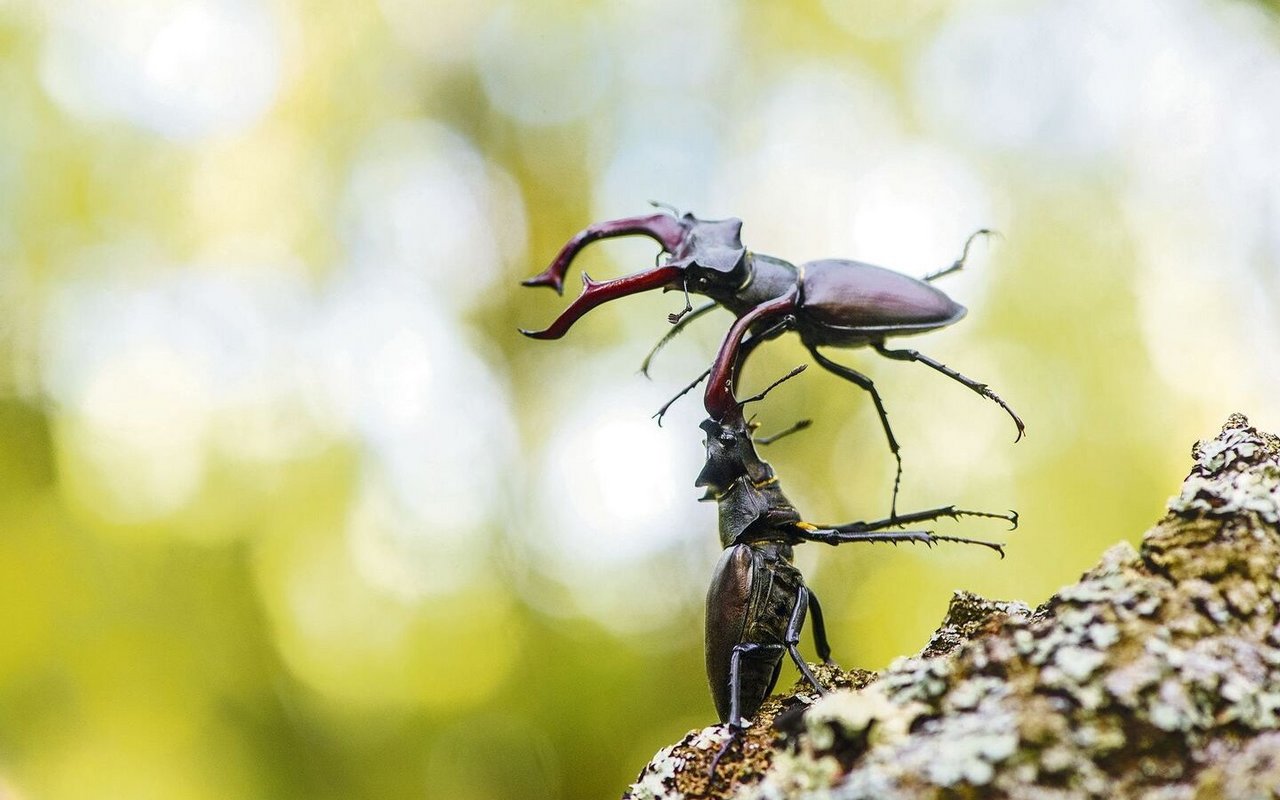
(288, 509)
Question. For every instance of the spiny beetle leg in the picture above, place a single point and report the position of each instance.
(864, 383)
(735, 678)
(834, 536)
(735, 722)
(762, 394)
(748, 345)
(735, 733)
(660, 413)
(675, 317)
(950, 512)
(980, 388)
(820, 642)
(718, 399)
(793, 638)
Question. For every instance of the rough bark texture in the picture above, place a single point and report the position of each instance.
(1157, 676)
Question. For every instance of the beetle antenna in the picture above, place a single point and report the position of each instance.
(753, 398)
(796, 428)
(964, 255)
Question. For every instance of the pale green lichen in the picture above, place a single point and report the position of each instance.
(657, 781)
(1078, 663)
(868, 713)
(1232, 476)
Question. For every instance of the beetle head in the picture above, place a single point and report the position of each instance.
(711, 256)
(707, 257)
(731, 451)
(730, 454)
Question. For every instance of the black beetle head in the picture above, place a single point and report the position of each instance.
(730, 454)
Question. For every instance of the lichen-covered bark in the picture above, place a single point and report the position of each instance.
(1157, 675)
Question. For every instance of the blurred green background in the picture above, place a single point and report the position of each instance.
(287, 507)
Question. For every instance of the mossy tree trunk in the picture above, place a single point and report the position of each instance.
(1157, 675)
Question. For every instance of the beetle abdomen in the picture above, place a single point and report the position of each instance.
(728, 601)
(857, 297)
(749, 605)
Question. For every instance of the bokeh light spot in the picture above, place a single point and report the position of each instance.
(422, 202)
(364, 647)
(613, 501)
(544, 68)
(181, 68)
(136, 452)
(881, 19)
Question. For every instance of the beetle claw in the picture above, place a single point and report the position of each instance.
(734, 733)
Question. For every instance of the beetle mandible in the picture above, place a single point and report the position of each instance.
(758, 600)
(829, 302)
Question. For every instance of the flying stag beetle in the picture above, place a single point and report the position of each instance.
(758, 600)
(830, 302)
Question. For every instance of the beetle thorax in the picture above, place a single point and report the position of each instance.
(764, 278)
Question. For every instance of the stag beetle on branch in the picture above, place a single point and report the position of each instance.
(830, 303)
(758, 600)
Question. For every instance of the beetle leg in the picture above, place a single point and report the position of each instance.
(664, 228)
(745, 349)
(736, 724)
(820, 642)
(793, 639)
(980, 388)
(675, 331)
(658, 415)
(734, 733)
(958, 264)
(735, 678)
(863, 382)
(758, 396)
(926, 516)
(794, 428)
(675, 316)
(834, 536)
(748, 345)
(718, 399)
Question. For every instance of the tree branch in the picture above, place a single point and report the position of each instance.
(1156, 675)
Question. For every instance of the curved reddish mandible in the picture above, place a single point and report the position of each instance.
(594, 294)
(664, 228)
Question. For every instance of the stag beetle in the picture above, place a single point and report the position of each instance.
(758, 600)
(830, 303)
